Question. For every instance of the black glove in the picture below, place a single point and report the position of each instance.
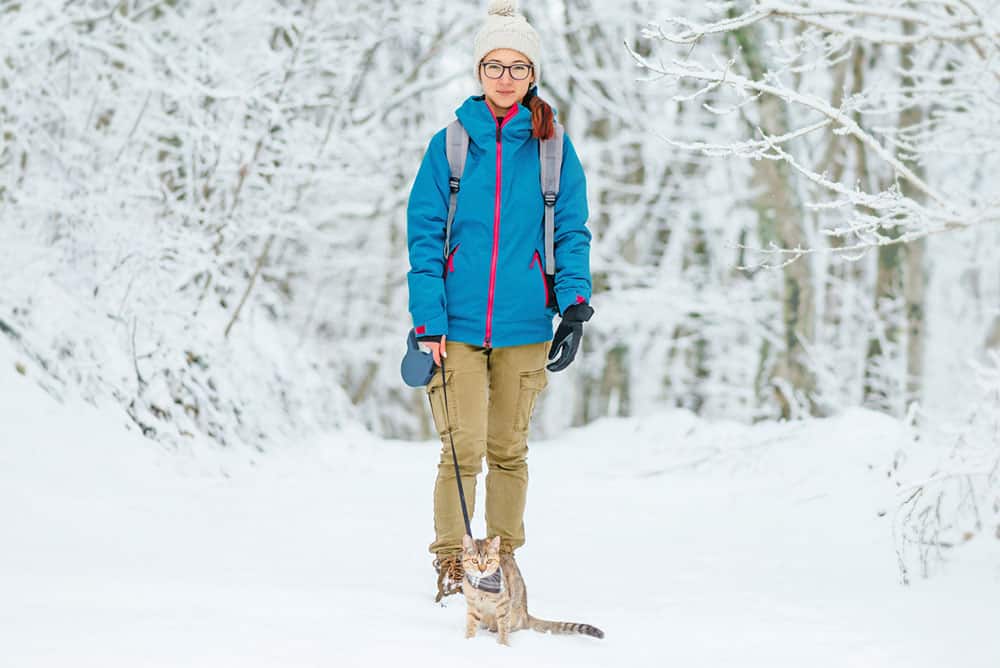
(430, 338)
(567, 339)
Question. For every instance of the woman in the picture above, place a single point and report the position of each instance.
(488, 306)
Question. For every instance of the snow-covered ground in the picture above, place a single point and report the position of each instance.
(690, 543)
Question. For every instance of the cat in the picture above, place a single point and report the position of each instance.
(495, 595)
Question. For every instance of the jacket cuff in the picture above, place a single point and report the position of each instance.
(433, 327)
(566, 299)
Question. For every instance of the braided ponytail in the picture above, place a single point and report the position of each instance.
(542, 119)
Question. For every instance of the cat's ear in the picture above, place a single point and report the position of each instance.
(467, 542)
(495, 544)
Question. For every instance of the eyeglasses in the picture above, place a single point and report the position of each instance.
(518, 71)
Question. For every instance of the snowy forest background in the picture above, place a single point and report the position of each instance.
(794, 207)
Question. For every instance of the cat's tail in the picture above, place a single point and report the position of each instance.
(545, 626)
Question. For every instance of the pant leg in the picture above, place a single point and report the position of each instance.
(517, 376)
(467, 386)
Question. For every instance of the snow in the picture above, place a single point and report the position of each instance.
(690, 543)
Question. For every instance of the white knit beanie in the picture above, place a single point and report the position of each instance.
(506, 29)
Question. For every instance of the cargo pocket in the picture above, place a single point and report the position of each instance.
(532, 383)
(435, 392)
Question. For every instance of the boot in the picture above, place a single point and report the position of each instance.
(450, 575)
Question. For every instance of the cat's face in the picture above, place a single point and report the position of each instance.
(480, 558)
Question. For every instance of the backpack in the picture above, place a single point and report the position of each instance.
(550, 154)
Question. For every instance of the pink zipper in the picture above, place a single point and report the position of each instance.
(496, 227)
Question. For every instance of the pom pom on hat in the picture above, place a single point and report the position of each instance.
(503, 7)
(506, 29)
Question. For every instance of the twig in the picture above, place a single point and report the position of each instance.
(261, 259)
(135, 362)
(134, 126)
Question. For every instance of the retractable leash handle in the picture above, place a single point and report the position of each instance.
(417, 367)
(454, 457)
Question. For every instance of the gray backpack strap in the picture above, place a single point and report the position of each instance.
(550, 153)
(456, 145)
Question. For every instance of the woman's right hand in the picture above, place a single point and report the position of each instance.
(437, 349)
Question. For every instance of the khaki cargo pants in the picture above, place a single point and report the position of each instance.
(491, 395)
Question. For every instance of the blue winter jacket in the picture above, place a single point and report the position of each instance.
(495, 292)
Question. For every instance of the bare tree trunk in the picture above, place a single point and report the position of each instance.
(780, 220)
(900, 294)
(883, 346)
(914, 291)
(993, 337)
(914, 278)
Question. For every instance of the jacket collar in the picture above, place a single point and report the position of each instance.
(478, 120)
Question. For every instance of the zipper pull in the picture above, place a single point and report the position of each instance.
(498, 133)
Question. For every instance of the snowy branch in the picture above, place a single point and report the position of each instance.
(914, 207)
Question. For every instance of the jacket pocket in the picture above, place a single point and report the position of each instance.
(536, 260)
(435, 393)
(532, 384)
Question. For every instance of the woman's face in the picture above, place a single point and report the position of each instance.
(502, 93)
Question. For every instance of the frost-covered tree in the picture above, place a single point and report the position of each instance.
(199, 203)
(870, 127)
(874, 127)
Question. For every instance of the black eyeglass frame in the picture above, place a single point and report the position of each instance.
(508, 68)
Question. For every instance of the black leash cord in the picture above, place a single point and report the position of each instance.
(454, 457)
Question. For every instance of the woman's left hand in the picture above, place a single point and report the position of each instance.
(566, 341)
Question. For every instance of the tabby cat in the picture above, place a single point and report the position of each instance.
(496, 598)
